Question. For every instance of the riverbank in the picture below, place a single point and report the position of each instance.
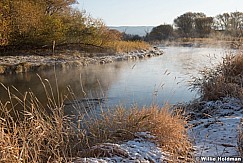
(215, 126)
(22, 64)
(31, 134)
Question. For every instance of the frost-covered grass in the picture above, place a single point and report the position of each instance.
(31, 131)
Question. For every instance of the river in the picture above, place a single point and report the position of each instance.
(157, 80)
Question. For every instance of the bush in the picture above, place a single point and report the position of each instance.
(225, 80)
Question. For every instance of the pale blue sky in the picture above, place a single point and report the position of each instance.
(153, 12)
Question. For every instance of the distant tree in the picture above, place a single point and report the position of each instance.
(222, 22)
(161, 32)
(203, 26)
(186, 23)
(230, 23)
(236, 23)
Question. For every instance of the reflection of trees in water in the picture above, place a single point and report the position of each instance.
(95, 79)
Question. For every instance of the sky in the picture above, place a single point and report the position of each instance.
(153, 12)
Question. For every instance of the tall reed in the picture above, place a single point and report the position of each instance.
(224, 80)
(31, 131)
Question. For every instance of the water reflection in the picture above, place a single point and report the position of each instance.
(151, 81)
(86, 82)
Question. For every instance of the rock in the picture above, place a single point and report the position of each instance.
(140, 56)
(119, 59)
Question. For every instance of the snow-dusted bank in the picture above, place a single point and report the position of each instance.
(20, 64)
(141, 149)
(214, 129)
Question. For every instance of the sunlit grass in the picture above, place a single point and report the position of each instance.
(31, 131)
(122, 124)
(128, 46)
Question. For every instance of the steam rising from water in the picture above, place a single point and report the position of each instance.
(154, 80)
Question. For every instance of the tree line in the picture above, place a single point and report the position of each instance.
(199, 25)
(39, 23)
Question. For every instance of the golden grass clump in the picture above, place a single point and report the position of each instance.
(169, 129)
(226, 80)
(31, 131)
(121, 124)
(128, 46)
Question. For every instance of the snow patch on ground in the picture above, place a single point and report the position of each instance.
(213, 129)
(216, 134)
(141, 149)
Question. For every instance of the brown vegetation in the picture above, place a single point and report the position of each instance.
(128, 46)
(41, 24)
(34, 132)
(226, 80)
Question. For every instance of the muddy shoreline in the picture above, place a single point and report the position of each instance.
(35, 63)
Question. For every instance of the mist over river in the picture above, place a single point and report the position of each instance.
(157, 80)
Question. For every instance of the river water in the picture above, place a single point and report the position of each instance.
(156, 80)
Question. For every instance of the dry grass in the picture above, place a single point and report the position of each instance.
(226, 80)
(128, 46)
(34, 132)
(122, 124)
